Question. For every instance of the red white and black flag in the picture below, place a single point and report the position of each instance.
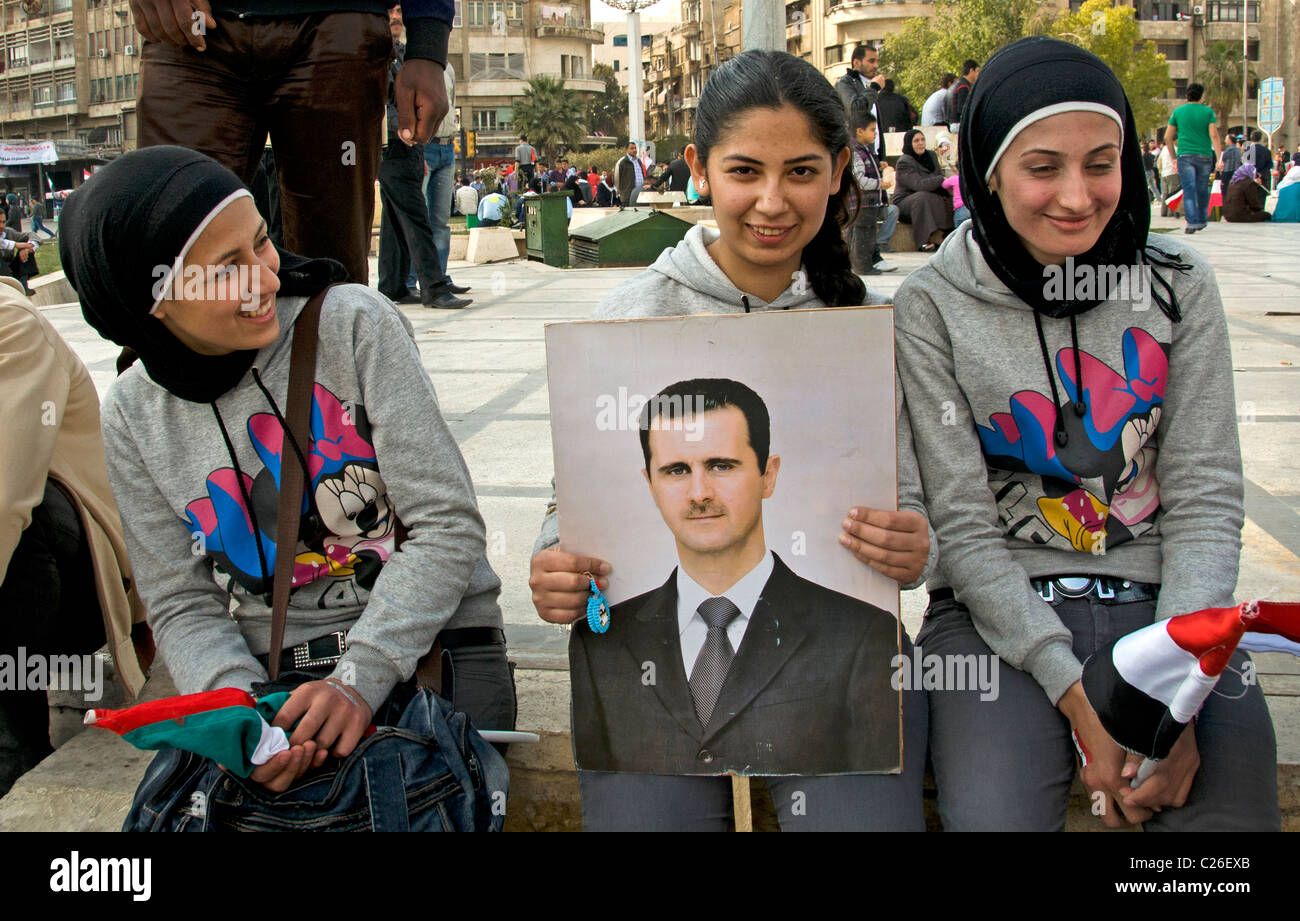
(1147, 686)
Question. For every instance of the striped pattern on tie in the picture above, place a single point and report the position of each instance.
(715, 657)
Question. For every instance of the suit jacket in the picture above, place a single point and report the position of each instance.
(808, 692)
(625, 178)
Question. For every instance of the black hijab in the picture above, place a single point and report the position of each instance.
(143, 211)
(927, 161)
(1040, 76)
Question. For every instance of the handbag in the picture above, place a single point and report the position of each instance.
(430, 771)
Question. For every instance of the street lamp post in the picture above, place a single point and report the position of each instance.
(635, 99)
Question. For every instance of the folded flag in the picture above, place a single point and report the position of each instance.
(228, 725)
(1147, 686)
(1216, 194)
(1175, 201)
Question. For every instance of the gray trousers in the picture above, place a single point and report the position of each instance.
(1007, 764)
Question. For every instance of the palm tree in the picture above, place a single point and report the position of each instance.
(550, 115)
(1220, 74)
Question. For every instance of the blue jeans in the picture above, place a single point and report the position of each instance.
(441, 159)
(1194, 174)
(959, 215)
(887, 225)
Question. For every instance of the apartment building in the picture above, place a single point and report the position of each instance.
(498, 45)
(70, 72)
(613, 51)
(680, 60)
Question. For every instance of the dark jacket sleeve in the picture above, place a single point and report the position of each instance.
(428, 28)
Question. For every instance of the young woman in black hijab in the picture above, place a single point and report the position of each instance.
(1080, 461)
(170, 259)
(919, 193)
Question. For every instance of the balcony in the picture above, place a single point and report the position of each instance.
(501, 84)
(690, 102)
(569, 27)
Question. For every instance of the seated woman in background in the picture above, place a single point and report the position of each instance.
(1288, 197)
(919, 193)
(1243, 203)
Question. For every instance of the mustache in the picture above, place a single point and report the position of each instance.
(704, 509)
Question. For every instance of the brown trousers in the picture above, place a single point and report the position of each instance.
(318, 84)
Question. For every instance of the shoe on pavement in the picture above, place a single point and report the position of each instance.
(457, 289)
(872, 271)
(885, 266)
(448, 301)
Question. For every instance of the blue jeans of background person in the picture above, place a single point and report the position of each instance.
(886, 233)
(1007, 764)
(841, 802)
(441, 160)
(959, 215)
(1194, 174)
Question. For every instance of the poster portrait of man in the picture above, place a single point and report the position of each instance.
(732, 659)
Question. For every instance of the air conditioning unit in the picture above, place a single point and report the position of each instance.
(129, 50)
(1198, 11)
(102, 52)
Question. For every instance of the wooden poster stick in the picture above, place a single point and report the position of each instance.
(741, 803)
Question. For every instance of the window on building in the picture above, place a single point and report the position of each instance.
(485, 120)
(620, 41)
(616, 63)
(476, 12)
(1173, 51)
(42, 95)
(646, 40)
(120, 90)
(456, 21)
(496, 66)
(834, 54)
(514, 11)
(66, 92)
(1230, 11)
(17, 56)
(60, 6)
(1252, 51)
(1180, 87)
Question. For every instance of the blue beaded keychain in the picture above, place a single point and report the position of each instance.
(597, 607)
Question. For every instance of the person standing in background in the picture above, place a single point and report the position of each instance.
(1194, 138)
(440, 162)
(318, 88)
(935, 107)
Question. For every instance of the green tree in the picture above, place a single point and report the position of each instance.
(1220, 74)
(607, 112)
(928, 46)
(1112, 34)
(550, 115)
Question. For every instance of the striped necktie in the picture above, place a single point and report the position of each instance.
(715, 657)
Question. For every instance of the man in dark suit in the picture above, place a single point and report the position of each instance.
(735, 663)
(675, 176)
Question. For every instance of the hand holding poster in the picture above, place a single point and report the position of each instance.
(711, 461)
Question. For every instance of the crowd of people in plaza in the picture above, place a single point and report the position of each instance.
(1045, 441)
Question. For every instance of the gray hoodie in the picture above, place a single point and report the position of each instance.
(685, 280)
(1148, 487)
(189, 530)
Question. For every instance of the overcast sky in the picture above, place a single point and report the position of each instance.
(601, 12)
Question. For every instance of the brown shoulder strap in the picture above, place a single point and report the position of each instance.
(302, 379)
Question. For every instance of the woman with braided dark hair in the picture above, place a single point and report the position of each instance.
(771, 148)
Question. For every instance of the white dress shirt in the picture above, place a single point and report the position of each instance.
(690, 595)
